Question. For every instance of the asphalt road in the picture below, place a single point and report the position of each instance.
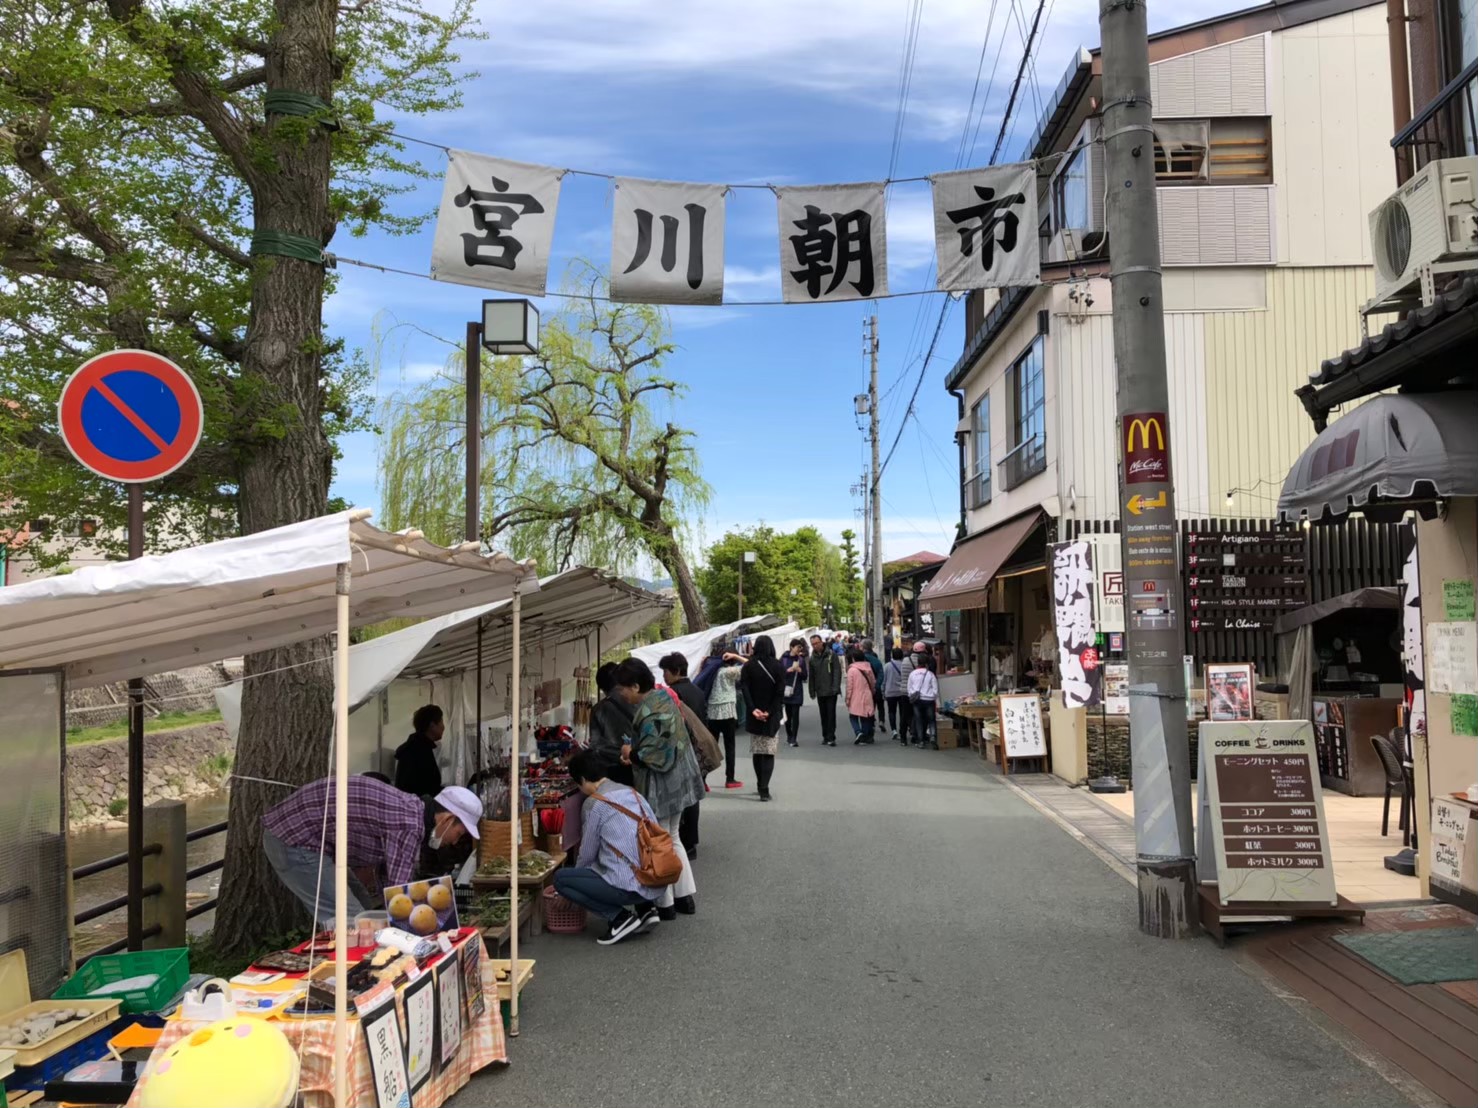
(899, 928)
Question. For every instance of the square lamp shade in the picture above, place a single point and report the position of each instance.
(510, 327)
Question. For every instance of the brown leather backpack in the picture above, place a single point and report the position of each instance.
(659, 864)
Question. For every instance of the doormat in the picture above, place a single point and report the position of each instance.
(1419, 957)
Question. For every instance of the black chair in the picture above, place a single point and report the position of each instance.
(1396, 778)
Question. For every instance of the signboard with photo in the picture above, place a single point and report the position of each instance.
(1116, 688)
(422, 907)
(1228, 691)
(1268, 833)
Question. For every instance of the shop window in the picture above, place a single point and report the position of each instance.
(979, 491)
(1026, 381)
(1070, 194)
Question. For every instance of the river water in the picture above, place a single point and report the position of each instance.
(97, 842)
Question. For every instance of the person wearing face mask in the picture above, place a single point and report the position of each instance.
(391, 833)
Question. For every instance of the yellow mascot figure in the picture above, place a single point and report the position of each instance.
(233, 1063)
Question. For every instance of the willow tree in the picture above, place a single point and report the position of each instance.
(581, 460)
(170, 173)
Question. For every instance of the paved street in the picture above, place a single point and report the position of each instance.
(899, 928)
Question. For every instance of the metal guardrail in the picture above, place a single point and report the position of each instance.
(171, 856)
(1445, 128)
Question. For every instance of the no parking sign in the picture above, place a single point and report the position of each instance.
(131, 415)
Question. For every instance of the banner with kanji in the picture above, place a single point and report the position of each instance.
(667, 242)
(985, 227)
(496, 223)
(833, 242)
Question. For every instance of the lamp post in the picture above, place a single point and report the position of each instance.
(506, 327)
(747, 559)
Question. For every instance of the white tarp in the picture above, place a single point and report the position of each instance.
(567, 608)
(694, 647)
(833, 242)
(109, 622)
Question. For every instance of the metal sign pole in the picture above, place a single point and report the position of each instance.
(135, 750)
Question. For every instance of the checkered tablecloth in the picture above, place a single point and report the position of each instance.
(313, 1039)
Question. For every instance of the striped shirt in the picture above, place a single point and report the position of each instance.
(608, 838)
(386, 826)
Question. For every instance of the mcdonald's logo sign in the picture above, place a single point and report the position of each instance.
(1146, 448)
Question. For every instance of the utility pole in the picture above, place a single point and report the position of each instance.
(876, 612)
(1164, 845)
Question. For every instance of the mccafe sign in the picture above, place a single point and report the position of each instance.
(1146, 448)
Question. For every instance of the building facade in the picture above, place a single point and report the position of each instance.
(1272, 131)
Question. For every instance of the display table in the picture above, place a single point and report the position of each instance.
(483, 1043)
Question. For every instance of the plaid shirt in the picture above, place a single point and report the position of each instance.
(386, 826)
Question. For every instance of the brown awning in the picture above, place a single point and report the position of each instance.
(961, 582)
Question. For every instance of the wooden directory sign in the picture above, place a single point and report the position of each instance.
(1260, 789)
(1022, 734)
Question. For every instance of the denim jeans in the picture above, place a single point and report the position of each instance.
(591, 891)
(900, 715)
(309, 876)
(923, 720)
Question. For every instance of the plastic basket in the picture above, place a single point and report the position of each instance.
(561, 916)
(172, 966)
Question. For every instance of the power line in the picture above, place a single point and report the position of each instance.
(1016, 84)
(905, 80)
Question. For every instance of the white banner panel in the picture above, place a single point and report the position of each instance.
(985, 227)
(833, 243)
(495, 224)
(667, 242)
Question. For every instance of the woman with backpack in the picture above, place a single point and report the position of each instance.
(665, 767)
(762, 685)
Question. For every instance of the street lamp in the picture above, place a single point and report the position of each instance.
(506, 327)
(746, 560)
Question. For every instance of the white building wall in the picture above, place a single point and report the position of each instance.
(1332, 160)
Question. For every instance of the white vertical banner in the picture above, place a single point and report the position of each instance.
(1108, 560)
(833, 242)
(496, 223)
(985, 227)
(667, 242)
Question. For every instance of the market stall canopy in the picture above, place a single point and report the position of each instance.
(1376, 596)
(961, 581)
(694, 646)
(169, 611)
(1389, 452)
(567, 607)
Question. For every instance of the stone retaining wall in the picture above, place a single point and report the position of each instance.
(177, 764)
(185, 690)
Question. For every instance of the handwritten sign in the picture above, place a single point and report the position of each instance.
(1021, 726)
(1457, 599)
(1267, 813)
(1449, 833)
(449, 1001)
(387, 1057)
(1452, 657)
(420, 1030)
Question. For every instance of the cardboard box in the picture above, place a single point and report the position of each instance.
(948, 737)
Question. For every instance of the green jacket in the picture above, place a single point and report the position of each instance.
(826, 674)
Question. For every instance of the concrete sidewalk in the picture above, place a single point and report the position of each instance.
(899, 927)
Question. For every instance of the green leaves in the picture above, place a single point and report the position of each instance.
(796, 574)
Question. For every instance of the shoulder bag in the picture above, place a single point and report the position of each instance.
(710, 757)
(659, 864)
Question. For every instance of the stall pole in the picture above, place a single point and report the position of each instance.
(513, 809)
(474, 431)
(341, 840)
(135, 750)
(477, 723)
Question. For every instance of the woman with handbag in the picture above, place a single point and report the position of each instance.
(762, 684)
(796, 671)
(665, 767)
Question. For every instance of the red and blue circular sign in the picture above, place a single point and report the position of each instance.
(131, 415)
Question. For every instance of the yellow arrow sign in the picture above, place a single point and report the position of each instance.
(1137, 502)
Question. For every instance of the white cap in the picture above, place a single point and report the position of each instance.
(464, 804)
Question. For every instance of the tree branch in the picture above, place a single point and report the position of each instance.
(33, 164)
(218, 246)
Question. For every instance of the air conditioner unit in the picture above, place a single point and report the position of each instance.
(1431, 220)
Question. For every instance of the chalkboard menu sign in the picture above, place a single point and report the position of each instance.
(1267, 813)
(1243, 580)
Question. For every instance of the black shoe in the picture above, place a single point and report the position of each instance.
(624, 925)
(667, 913)
(858, 741)
(685, 906)
(867, 740)
(650, 917)
(794, 744)
(764, 796)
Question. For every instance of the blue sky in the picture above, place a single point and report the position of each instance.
(731, 91)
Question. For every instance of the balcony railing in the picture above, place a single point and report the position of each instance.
(1445, 128)
(977, 489)
(1027, 460)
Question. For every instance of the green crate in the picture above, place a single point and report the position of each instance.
(172, 966)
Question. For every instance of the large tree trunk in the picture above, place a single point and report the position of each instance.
(287, 711)
(669, 553)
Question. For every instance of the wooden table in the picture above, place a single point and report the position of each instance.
(537, 884)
